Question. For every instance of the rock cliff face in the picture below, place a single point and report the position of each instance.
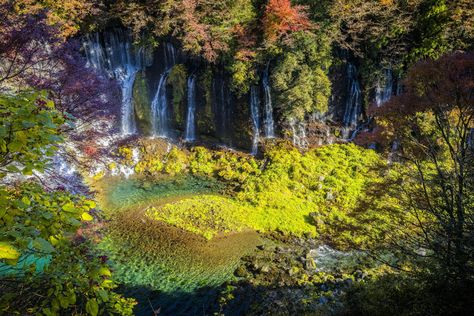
(166, 93)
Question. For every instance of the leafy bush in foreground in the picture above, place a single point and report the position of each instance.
(46, 265)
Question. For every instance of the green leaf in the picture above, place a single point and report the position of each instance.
(26, 200)
(50, 104)
(69, 207)
(92, 308)
(15, 146)
(103, 295)
(27, 171)
(72, 298)
(8, 252)
(47, 312)
(43, 245)
(12, 168)
(11, 262)
(74, 222)
(63, 301)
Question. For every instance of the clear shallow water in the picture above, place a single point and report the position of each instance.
(160, 265)
(116, 194)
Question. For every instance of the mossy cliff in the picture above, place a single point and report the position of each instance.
(141, 104)
(177, 82)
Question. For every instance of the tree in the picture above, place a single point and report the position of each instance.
(204, 27)
(368, 27)
(67, 16)
(33, 55)
(434, 182)
(300, 75)
(29, 132)
(41, 251)
(281, 18)
(22, 44)
(402, 32)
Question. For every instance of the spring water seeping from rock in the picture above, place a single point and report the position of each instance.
(384, 89)
(222, 107)
(353, 106)
(190, 133)
(255, 116)
(159, 104)
(159, 108)
(113, 55)
(269, 124)
(298, 130)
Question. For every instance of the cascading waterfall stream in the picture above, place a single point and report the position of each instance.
(298, 130)
(354, 101)
(116, 58)
(159, 109)
(159, 104)
(383, 93)
(384, 90)
(269, 124)
(221, 106)
(190, 134)
(254, 111)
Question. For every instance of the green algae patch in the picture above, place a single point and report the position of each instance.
(211, 215)
(206, 215)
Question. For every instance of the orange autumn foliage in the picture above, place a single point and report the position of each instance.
(281, 17)
(67, 15)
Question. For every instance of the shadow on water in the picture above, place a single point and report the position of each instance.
(247, 300)
(203, 301)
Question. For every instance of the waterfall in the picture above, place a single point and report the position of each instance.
(221, 107)
(399, 85)
(254, 111)
(384, 90)
(353, 106)
(113, 55)
(190, 134)
(268, 120)
(159, 104)
(298, 130)
(159, 108)
(222, 119)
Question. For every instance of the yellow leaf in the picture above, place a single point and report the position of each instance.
(86, 217)
(54, 241)
(105, 271)
(8, 252)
